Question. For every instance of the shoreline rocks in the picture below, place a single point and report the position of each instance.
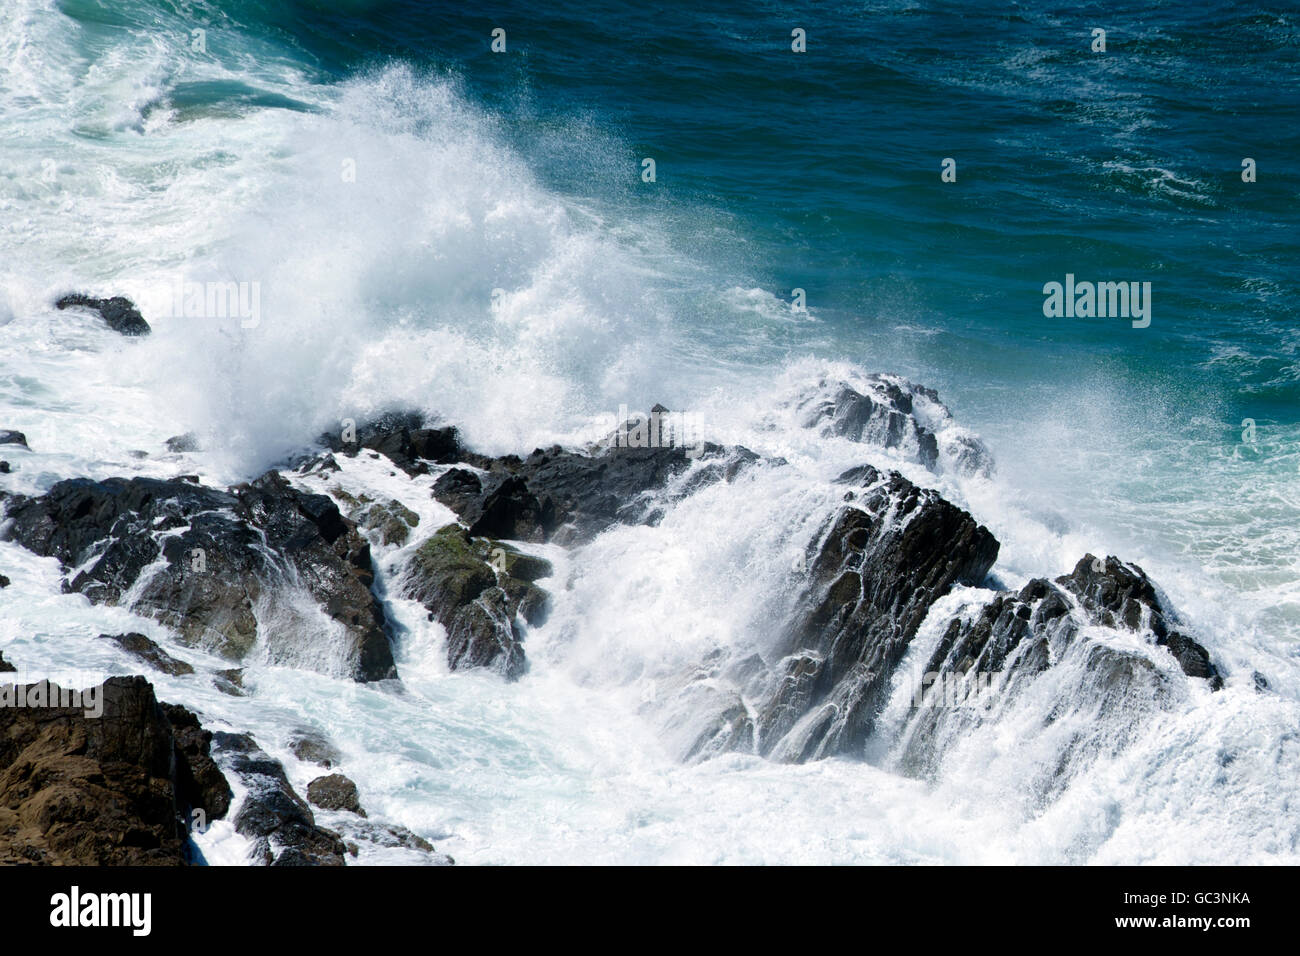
(117, 789)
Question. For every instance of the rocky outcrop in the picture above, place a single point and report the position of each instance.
(281, 825)
(467, 585)
(149, 652)
(10, 437)
(120, 314)
(402, 438)
(569, 497)
(335, 792)
(118, 788)
(991, 656)
(312, 746)
(891, 412)
(883, 561)
(202, 560)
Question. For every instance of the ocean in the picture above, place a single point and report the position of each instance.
(428, 223)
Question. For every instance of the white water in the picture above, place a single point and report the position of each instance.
(379, 292)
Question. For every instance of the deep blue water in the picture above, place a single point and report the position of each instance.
(821, 170)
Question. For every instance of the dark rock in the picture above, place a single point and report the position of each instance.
(4, 581)
(148, 651)
(392, 520)
(312, 746)
(388, 836)
(570, 497)
(6, 667)
(200, 782)
(108, 790)
(1260, 681)
(335, 792)
(183, 443)
(271, 813)
(1119, 594)
(457, 489)
(483, 634)
(510, 510)
(4, 468)
(230, 681)
(225, 551)
(466, 586)
(10, 437)
(877, 570)
(120, 313)
(892, 412)
(403, 439)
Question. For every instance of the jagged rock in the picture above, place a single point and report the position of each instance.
(1121, 594)
(312, 746)
(230, 681)
(389, 836)
(569, 497)
(392, 520)
(224, 551)
(891, 412)
(199, 780)
(457, 489)
(119, 313)
(10, 437)
(6, 667)
(335, 792)
(403, 439)
(5, 468)
(998, 649)
(149, 652)
(877, 569)
(107, 790)
(483, 634)
(271, 813)
(466, 585)
(4, 581)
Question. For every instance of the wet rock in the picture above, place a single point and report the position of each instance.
(6, 667)
(891, 412)
(312, 746)
(279, 821)
(230, 681)
(403, 438)
(149, 652)
(183, 443)
(335, 792)
(4, 581)
(457, 489)
(118, 312)
(224, 552)
(876, 570)
(465, 584)
(1119, 594)
(392, 520)
(5, 468)
(10, 437)
(389, 836)
(200, 783)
